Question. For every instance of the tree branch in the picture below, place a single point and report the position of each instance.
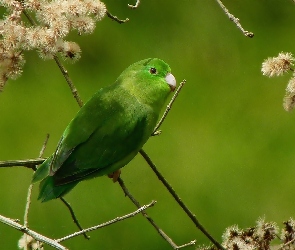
(32, 233)
(178, 200)
(136, 4)
(29, 194)
(169, 106)
(124, 217)
(55, 243)
(69, 81)
(235, 20)
(120, 21)
(159, 230)
(74, 216)
(193, 242)
(29, 163)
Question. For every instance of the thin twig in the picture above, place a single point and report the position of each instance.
(61, 67)
(193, 242)
(178, 199)
(120, 21)
(74, 217)
(108, 222)
(29, 163)
(137, 204)
(235, 20)
(69, 81)
(156, 132)
(136, 4)
(27, 208)
(29, 194)
(35, 235)
(28, 202)
(44, 146)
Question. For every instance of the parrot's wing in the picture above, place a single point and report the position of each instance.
(108, 148)
(90, 118)
(71, 138)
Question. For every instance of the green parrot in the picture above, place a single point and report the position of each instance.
(109, 130)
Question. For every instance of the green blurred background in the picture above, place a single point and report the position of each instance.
(226, 146)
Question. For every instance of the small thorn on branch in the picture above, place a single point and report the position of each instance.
(120, 21)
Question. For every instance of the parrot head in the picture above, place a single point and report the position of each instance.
(151, 82)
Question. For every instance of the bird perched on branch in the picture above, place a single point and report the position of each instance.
(109, 130)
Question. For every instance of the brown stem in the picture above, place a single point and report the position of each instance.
(178, 200)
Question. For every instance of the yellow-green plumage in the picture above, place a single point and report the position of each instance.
(109, 130)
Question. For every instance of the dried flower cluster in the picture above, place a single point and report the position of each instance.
(27, 242)
(44, 28)
(276, 66)
(288, 234)
(259, 237)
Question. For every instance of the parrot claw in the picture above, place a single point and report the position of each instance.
(115, 175)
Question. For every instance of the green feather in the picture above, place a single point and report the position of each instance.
(108, 131)
(42, 171)
(49, 191)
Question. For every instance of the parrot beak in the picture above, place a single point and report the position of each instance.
(170, 79)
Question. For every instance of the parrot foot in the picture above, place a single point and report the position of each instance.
(115, 175)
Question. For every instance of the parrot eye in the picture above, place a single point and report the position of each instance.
(153, 71)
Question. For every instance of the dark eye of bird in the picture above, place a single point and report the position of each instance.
(153, 71)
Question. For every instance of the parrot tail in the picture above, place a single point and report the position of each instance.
(48, 191)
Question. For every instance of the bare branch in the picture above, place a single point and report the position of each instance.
(69, 81)
(55, 243)
(169, 106)
(235, 20)
(178, 200)
(136, 4)
(35, 235)
(28, 202)
(29, 163)
(193, 242)
(61, 67)
(44, 146)
(29, 194)
(74, 217)
(124, 217)
(159, 230)
(120, 21)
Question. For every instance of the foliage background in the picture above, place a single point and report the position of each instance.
(226, 146)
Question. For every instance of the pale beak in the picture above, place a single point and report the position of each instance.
(170, 79)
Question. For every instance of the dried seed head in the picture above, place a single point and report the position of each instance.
(266, 231)
(70, 51)
(54, 20)
(291, 85)
(276, 66)
(288, 232)
(27, 242)
(84, 24)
